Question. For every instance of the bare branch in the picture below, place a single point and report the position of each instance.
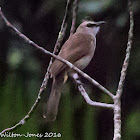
(129, 46)
(58, 43)
(117, 99)
(11, 128)
(75, 9)
(85, 95)
(93, 103)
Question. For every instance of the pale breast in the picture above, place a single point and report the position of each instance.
(84, 61)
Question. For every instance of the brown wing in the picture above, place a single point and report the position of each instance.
(73, 49)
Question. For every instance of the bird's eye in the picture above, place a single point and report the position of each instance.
(90, 25)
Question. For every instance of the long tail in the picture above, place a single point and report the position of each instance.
(53, 101)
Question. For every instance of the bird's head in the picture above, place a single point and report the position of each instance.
(89, 27)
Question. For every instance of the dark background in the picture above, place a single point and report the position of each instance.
(22, 69)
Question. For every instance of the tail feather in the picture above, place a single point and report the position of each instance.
(53, 101)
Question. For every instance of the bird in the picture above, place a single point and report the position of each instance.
(79, 49)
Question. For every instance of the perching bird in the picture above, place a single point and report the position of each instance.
(79, 50)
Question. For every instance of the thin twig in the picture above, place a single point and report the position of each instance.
(85, 95)
(75, 9)
(11, 128)
(58, 44)
(129, 46)
(117, 99)
(93, 103)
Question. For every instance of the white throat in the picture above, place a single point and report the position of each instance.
(96, 30)
(90, 31)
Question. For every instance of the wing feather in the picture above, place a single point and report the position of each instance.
(70, 51)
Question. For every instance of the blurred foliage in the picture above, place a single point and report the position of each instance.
(23, 67)
(132, 125)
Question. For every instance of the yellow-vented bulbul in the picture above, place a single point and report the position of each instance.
(79, 50)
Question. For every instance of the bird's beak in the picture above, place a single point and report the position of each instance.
(100, 23)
